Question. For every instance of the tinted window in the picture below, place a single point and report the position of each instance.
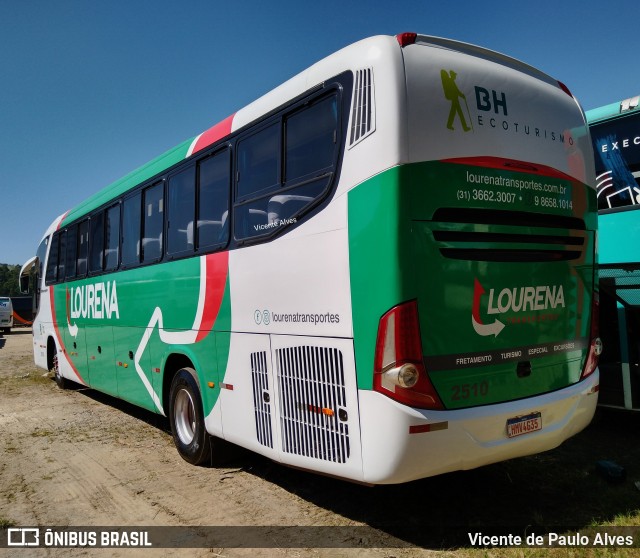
(62, 255)
(309, 147)
(153, 223)
(72, 251)
(182, 211)
(213, 200)
(112, 238)
(42, 254)
(258, 157)
(311, 139)
(52, 262)
(617, 160)
(131, 230)
(96, 242)
(83, 248)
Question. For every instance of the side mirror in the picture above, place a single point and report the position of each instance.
(25, 274)
(24, 284)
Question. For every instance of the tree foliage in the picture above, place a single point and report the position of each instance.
(9, 280)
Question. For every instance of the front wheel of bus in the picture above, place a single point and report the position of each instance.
(187, 418)
(55, 368)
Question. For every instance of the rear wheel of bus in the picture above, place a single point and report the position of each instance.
(187, 418)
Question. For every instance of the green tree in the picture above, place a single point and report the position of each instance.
(9, 280)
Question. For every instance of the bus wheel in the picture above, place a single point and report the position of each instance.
(55, 368)
(187, 418)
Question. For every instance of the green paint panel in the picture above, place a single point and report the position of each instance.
(112, 313)
(375, 243)
(528, 287)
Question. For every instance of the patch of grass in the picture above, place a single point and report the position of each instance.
(32, 377)
(6, 523)
(42, 433)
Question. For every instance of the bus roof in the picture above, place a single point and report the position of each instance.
(356, 53)
(487, 54)
(613, 110)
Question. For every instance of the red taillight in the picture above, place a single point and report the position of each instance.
(565, 89)
(399, 370)
(595, 343)
(406, 39)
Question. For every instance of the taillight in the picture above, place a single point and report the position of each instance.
(595, 343)
(565, 89)
(399, 370)
(406, 39)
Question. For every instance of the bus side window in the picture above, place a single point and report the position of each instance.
(258, 161)
(52, 263)
(72, 251)
(83, 248)
(96, 243)
(131, 230)
(153, 223)
(112, 238)
(62, 255)
(267, 202)
(181, 212)
(311, 139)
(213, 200)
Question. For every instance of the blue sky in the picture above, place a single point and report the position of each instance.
(91, 90)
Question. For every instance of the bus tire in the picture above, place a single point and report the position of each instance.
(187, 418)
(55, 368)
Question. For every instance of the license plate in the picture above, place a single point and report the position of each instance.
(517, 426)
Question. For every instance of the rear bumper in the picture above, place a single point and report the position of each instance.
(445, 441)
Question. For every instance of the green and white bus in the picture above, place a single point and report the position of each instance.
(381, 270)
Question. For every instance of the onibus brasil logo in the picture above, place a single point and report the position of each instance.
(512, 300)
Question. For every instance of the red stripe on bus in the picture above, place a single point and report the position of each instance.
(63, 349)
(213, 134)
(500, 163)
(216, 276)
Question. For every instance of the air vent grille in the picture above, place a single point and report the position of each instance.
(533, 242)
(313, 410)
(261, 398)
(363, 107)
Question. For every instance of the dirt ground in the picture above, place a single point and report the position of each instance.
(76, 458)
(79, 458)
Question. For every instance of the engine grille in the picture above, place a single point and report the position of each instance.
(261, 398)
(313, 412)
(532, 242)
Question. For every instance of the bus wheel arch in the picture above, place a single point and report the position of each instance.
(186, 416)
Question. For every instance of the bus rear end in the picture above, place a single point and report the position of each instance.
(474, 329)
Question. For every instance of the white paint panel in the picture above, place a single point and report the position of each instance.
(509, 113)
(298, 284)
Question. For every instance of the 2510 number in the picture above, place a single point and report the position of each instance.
(467, 391)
